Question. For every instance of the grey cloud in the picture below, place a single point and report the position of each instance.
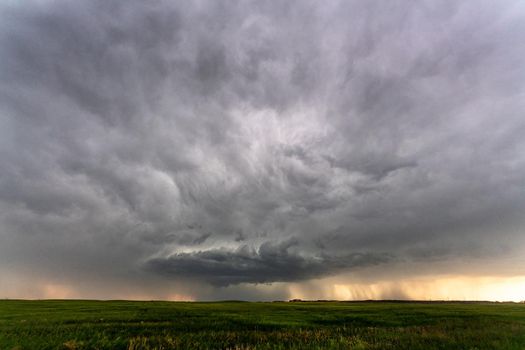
(373, 165)
(131, 131)
(269, 263)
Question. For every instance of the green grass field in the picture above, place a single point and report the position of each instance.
(57, 324)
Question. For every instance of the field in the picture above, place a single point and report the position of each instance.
(57, 324)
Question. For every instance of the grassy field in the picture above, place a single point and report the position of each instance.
(57, 324)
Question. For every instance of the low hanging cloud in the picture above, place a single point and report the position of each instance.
(159, 141)
(269, 263)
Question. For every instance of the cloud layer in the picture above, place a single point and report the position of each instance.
(258, 141)
(270, 263)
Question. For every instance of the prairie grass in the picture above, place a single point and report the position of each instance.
(75, 325)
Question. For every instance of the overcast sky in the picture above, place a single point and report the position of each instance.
(247, 149)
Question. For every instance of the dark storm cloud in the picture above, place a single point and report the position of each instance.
(140, 136)
(270, 263)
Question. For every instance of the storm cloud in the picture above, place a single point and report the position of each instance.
(270, 263)
(234, 143)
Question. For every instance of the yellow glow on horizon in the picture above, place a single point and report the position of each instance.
(57, 291)
(444, 288)
(180, 297)
(429, 287)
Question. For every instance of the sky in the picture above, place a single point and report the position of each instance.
(262, 150)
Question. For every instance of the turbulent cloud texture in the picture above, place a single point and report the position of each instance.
(228, 143)
(271, 263)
